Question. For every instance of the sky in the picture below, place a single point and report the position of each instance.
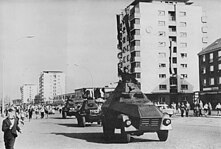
(74, 36)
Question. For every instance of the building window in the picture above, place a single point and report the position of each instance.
(204, 58)
(182, 13)
(128, 58)
(219, 53)
(174, 49)
(162, 87)
(204, 82)
(161, 33)
(184, 87)
(211, 57)
(182, 24)
(162, 65)
(135, 54)
(219, 66)
(211, 81)
(204, 70)
(162, 44)
(183, 65)
(136, 64)
(183, 34)
(183, 55)
(211, 68)
(162, 76)
(137, 21)
(184, 76)
(124, 59)
(161, 23)
(161, 13)
(219, 80)
(183, 45)
(174, 60)
(162, 55)
(138, 75)
(172, 28)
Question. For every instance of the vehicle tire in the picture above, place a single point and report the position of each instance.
(125, 136)
(108, 130)
(64, 115)
(83, 121)
(162, 135)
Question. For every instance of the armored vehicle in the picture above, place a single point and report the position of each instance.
(129, 110)
(89, 112)
(71, 107)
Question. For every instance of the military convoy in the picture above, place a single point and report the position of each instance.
(129, 110)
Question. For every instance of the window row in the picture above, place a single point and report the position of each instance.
(164, 76)
(211, 57)
(164, 87)
(171, 13)
(211, 81)
(163, 23)
(163, 44)
(163, 33)
(211, 68)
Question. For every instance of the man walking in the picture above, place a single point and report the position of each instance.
(10, 128)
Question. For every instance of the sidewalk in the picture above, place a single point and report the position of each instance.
(213, 114)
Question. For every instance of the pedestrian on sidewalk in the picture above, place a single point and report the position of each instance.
(218, 108)
(187, 108)
(201, 108)
(210, 108)
(42, 112)
(206, 108)
(182, 109)
(10, 128)
(30, 112)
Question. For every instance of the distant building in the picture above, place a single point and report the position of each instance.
(159, 41)
(210, 73)
(17, 102)
(51, 83)
(28, 93)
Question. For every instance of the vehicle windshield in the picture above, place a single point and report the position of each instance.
(134, 98)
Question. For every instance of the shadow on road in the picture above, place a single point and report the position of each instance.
(99, 138)
(76, 125)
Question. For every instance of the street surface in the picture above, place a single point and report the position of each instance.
(57, 133)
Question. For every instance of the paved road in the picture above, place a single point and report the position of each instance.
(57, 133)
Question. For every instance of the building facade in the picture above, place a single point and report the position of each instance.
(159, 41)
(51, 83)
(28, 93)
(210, 73)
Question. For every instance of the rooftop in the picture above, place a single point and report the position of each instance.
(212, 47)
(185, 1)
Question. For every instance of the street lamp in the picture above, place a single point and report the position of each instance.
(3, 58)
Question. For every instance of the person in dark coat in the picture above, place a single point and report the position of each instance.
(10, 128)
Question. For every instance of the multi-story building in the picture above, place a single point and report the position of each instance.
(159, 41)
(51, 83)
(28, 93)
(210, 73)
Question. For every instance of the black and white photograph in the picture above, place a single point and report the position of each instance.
(110, 74)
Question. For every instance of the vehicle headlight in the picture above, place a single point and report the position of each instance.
(127, 123)
(166, 122)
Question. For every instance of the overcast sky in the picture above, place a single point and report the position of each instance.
(75, 36)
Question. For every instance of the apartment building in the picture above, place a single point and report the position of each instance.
(159, 41)
(51, 83)
(210, 73)
(28, 93)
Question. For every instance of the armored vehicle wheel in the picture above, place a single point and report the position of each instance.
(83, 121)
(162, 135)
(64, 115)
(108, 130)
(125, 136)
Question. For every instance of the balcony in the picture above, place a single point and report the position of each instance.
(135, 59)
(134, 15)
(135, 37)
(135, 26)
(135, 48)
